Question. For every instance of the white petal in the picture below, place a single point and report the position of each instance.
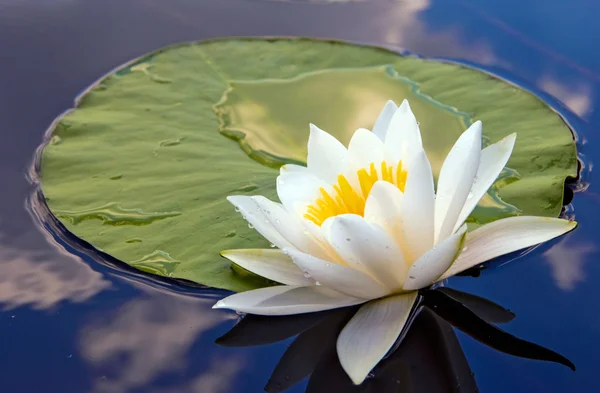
(365, 148)
(271, 264)
(327, 157)
(492, 161)
(340, 278)
(287, 168)
(384, 208)
(383, 121)
(455, 180)
(296, 190)
(371, 332)
(427, 269)
(419, 205)
(286, 300)
(317, 233)
(505, 236)
(403, 137)
(289, 225)
(255, 217)
(368, 248)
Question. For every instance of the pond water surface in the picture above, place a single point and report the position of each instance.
(74, 323)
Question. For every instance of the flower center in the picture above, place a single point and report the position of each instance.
(346, 200)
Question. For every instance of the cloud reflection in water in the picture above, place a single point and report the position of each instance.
(567, 262)
(150, 337)
(44, 277)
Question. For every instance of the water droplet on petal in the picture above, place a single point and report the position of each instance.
(307, 274)
(272, 245)
(317, 283)
(465, 249)
(237, 209)
(250, 226)
(470, 195)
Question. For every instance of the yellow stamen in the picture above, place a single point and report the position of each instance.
(344, 199)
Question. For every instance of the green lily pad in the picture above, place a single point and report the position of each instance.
(141, 167)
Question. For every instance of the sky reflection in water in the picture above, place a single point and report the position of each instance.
(73, 325)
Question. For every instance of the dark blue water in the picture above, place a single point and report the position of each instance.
(73, 323)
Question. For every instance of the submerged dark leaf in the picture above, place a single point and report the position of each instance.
(260, 330)
(302, 356)
(486, 309)
(470, 323)
(330, 377)
(429, 360)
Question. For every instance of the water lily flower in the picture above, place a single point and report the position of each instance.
(365, 225)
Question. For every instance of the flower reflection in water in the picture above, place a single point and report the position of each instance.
(426, 358)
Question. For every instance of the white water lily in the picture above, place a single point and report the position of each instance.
(364, 224)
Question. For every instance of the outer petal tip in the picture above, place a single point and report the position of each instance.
(475, 128)
(314, 128)
(510, 141)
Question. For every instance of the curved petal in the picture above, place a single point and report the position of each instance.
(419, 205)
(505, 236)
(456, 179)
(493, 160)
(403, 136)
(289, 226)
(368, 248)
(365, 148)
(286, 300)
(340, 278)
(327, 157)
(272, 264)
(384, 208)
(383, 121)
(435, 262)
(255, 217)
(296, 190)
(288, 168)
(371, 332)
